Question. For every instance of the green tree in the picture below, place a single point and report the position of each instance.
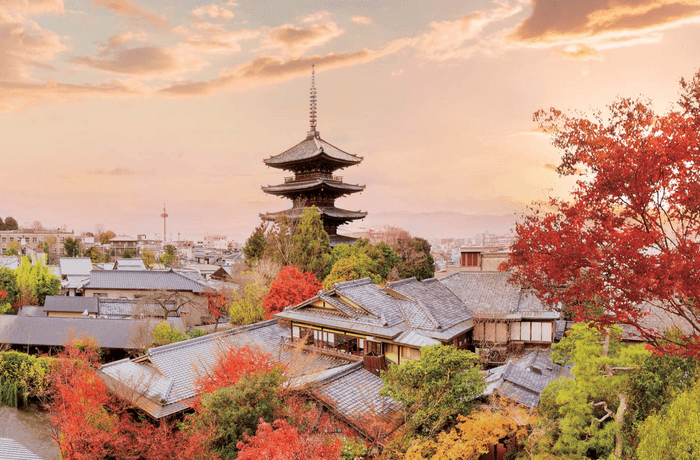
(256, 245)
(96, 256)
(436, 388)
(247, 306)
(280, 241)
(591, 409)
(384, 260)
(107, 236)
(11, 224)
(12, 252)
(127, 254)
(231, 413)
(169, 257)
(311, 247)
(72, 247)
(149, 258)
(36, 282)
(415, 259)
(675, 432)
(2, 224)
(164, 334)
(350, 268)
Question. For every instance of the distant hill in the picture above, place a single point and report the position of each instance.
(439, 224)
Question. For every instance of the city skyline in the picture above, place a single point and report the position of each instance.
(111, 107)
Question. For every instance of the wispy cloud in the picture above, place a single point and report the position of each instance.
(118, 171)
(151, 61)
(205, 37)
(126, 8)
(265, 70)
(296, 40)
(34, 6)
(316, 17)
(213, 11)
(362, 20)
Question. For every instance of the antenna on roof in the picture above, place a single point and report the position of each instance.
(312, 93)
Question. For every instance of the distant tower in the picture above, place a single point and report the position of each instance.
(164, 216)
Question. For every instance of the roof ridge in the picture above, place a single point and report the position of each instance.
(401, 282)
(349, 370)
(422, 306)
(351, 283)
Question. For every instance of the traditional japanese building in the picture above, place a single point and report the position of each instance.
(314, 183)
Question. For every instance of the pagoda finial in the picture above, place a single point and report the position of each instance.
(312, 117)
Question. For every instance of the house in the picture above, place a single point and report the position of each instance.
(208, 271)
(129, 264)
(75, 273)
(33, 240)
(70, 306)
(163, 381)
(361, 319)
(524, 379)
(37, 334)
(504, 313)
(152, 286)
(123, 243)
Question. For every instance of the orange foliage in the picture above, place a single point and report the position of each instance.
(90, 423)
(291, 287)
(233, 364)
(217, 304)
(282, 441)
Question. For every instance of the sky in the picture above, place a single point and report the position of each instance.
(111, 108)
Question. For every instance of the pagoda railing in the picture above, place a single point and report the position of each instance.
(312, 176)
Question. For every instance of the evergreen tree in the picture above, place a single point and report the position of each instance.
(11, 224)
(256, 245)
(311, 247)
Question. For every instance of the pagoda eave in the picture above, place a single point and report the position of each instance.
(332, 187)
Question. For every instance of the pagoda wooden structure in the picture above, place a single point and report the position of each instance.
(314, 162)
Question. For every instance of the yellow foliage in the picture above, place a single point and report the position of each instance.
(473, 435)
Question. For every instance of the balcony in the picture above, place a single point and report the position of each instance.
(312, 176)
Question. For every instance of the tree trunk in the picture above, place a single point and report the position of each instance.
(620, 420)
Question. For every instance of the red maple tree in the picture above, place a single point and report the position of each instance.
(232, 364)
(282, 441)
(292, 286)
(625, 247)
(217, 305)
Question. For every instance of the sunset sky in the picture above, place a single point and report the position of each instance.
(109, 108)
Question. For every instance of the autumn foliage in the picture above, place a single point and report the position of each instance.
(292, 286)
(282, 441)
(234, 363)
(625, 248)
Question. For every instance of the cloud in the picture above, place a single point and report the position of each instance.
(126, 8)
(265, 70)
(580, 53)
(316, 17)
(557, 21)
(296, 40)
(459, 39)
(213, 11)
(34, 6)
(143, 61)
(214, 38)
(24, 46)
(362, 20)
(396, 73)
(14, 96)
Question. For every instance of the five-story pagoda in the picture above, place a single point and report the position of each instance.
(313, 162)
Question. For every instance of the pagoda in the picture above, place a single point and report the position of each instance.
(314, 162)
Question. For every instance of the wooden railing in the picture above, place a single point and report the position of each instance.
(312, 176)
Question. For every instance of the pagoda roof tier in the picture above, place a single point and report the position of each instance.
(337, 187)
(313, 149)
(327, 213)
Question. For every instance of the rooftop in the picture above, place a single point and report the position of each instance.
(143, 280)
(313, 148)
(75, 266)
(70, 304)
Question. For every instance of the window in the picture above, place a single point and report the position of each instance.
(4, 239)
(34, 240)
(470, 259)
(12, 238)
(99, 294)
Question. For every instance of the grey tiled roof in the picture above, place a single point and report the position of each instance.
(129, 264)
(428, 307)
(143, 280)
(56, 331)
(659, 319)
(356, 392)
(31, 311)
(75, 281)
(524, 380)
(71, 304)
(324, 211)
(109, 306)
(310, 148)
(490, 295)
(311, 185)
(177, 367)
(341, 239)
(12, 450)
(75, 265)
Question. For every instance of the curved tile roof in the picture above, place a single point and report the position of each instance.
(311, 185)
(310, 148)
(333, 212)
(143, 280)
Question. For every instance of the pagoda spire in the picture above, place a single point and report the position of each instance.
(312, 116)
